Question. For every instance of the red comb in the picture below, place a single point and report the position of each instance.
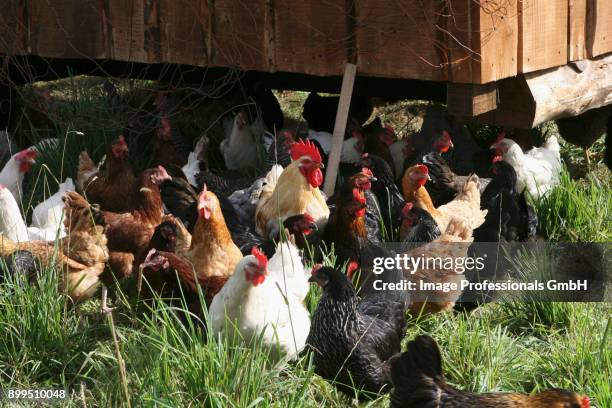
(367, 172)
(351, 268)
(262, 259)
(497, 158)
(423, 168)
(2, 187)
(305, 148)
(201, 196)
(586, 402)
(446, 135)
(315, 268)
(389, 128)
(29, 153)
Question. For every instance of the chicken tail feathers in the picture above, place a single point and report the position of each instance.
(416, 375)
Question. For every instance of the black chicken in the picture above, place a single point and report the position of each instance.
(352, 339)
(389, 196)
(19, 262)
(418, 227)
(320, 111)
(418, 382)
(445, 184)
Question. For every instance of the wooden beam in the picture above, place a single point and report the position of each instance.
(471, 100)
(534, 98)
(333, 161)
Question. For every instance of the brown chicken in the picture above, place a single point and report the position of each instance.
(82, 254)
(165, 152)
(418, 382)
(165, 267)
(112, 186)
(465, 206)
(129, 233)
(212, 251)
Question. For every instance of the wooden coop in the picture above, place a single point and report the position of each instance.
(511, 62)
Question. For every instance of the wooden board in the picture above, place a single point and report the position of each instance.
(311, 37)
(183, 31)
(13, 28)
(543, 34)
(599, 33)
(66, 29)
(576, 46)
(401, 39)
(126, 22)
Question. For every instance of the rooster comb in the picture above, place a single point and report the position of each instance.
(305, 148)
(367, 172)
(308, 217)
(262, 259)
(28, 153)
(423, 168)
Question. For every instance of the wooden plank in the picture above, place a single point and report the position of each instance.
(58, 30)
(467, 100)
(184, 24)
(311, 37)
(464, 42)
(599, 34)
(127, 34)
(577, 30)
(400, 39)
(13, 28)
(237, 35)
(499, 36)
(543, 34)
(333, 161)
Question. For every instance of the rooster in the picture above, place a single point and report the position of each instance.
(537, 170)
(14, 170)
(352, 338)
(264, 299)
(111, 187)
(465, 207)
(295, 191)
(418, 382)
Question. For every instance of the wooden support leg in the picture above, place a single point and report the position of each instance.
(333, 161)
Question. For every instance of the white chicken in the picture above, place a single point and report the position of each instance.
(240, 149)
(48, 215)
(537, 170)
(265, 298)
(14, 170)
(192, 168)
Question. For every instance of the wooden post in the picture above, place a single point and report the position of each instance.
(333, 161)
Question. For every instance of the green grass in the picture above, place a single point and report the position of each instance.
(46, 341)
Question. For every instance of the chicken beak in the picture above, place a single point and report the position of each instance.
(321, 165)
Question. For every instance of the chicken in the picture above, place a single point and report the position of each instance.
(418, 226)
(14, 170)
(352, 339)
(19, 262)
(441, 144)
(418, 382)
(444, 184)
(387, 193)
(465, 207)
(192, 167)
(453, 243)
(537, 170)
(320, 111)
(583, 130)
(212, 251)
(296, 191)
(377, 141)
(112, 187)
(241, 150)
(47, 215)
(165, 152)
(129, 233)
(12, 225)
(353, 225)
(161, 270)
(82, 254)
(264, 299)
